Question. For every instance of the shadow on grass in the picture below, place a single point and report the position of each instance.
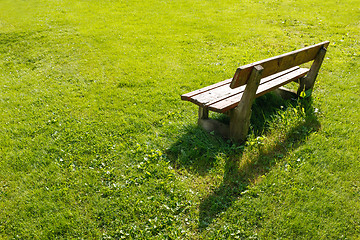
(241, 171)
(197, 152)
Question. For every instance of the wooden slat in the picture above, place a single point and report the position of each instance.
(264, 87)
(242, 88)
(278, 82)
(188, 96)
(278, 63)
(217, 94)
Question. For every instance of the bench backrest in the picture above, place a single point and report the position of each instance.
(278, 63)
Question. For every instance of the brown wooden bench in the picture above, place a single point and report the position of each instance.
(235, 96)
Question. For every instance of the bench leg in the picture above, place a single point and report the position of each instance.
(301, 86)
(239, 123)
(285, 93)
(203, 113)
(307, 83)
(240, 116)
(211, 125)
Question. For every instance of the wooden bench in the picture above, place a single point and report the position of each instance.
(235, 96)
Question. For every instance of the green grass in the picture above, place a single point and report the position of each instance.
(96, 143)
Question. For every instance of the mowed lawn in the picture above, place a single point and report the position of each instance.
(95, 142)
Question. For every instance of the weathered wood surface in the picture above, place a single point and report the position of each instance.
(211, 125)
(310, 78)
(206, 97)
(264, 87)
(280, 81)
(189, 95)
(221, 98)
(255, 79)
(203, 113)
(278, 63)
(240, 116)
(285, 93)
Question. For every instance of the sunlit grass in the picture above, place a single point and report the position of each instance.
(96, 143)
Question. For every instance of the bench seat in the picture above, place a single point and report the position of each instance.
(219, 97)
(235, 96)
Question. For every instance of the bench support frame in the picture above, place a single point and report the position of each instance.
(212, 125)
(240, 116)
(307, 83)
(251, 75)
(203, 113)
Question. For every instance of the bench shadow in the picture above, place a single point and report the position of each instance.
(240, 172)
(197, 150)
